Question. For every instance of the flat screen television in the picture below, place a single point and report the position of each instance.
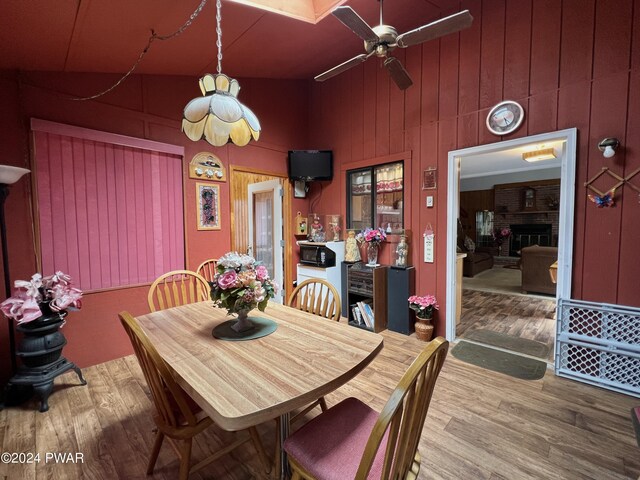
(309, 165)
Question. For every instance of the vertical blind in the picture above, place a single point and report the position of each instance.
(110, 214)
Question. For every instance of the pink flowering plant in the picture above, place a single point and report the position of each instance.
(500, 235)
(31, 299)
(423, 306)
(372, 235)
(241, 283)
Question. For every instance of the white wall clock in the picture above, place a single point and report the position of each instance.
(505, 117)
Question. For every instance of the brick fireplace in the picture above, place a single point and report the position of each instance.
(525, 235)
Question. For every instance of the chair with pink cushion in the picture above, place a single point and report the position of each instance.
(351, 440)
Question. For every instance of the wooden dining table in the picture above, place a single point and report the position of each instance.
(240, 384)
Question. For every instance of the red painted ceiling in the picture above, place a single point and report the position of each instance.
(108, 36)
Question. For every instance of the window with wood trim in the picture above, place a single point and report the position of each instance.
(109, 207)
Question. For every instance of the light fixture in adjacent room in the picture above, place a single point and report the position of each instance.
(608, 147)
(218, 117)
(539, 154)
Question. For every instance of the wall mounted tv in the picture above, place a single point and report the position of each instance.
(309, 165)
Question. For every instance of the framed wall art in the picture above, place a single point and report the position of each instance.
(429, 178)
(208, 206)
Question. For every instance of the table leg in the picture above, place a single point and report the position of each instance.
(283, 433)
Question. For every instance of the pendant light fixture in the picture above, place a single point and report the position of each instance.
(218, 117)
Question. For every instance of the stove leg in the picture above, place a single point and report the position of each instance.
(43, 391)
(79, 373)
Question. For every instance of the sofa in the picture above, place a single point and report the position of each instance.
(534, 264)
(477, 261)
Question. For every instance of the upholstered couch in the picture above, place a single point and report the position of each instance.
(477, 261)
(534, 264)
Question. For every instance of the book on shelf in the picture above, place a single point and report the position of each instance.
(369, 313)
(368, 321)
(357, 315)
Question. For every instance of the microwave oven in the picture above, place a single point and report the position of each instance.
(317, 255)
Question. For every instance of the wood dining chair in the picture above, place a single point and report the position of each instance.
(319, 297)
(316, 296)
(207, 269)
(351, 440)
(176, 288)
(177, 416)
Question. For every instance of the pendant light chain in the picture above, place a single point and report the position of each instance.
(155, 36)
(219, 34)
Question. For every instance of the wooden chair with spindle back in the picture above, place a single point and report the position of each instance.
(351, 440)
(207, 269)
(316, 296)
(177, 416)
(176, 288)
(319, 297)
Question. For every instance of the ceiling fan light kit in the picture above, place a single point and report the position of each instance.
(383, 39)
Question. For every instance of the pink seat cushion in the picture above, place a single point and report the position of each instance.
(331, 445)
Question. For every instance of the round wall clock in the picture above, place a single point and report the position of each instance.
(505, 117)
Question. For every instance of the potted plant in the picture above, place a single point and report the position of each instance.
(424, 307)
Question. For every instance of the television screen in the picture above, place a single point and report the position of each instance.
(310, 165)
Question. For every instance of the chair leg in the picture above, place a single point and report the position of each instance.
(157, 444)
(257, 444)
(185, 459)
(278, 472)
(323, 404)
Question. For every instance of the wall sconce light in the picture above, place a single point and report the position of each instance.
(608, 147)
(539, 154)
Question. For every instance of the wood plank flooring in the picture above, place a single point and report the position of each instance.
(519, 316)
(481, 425)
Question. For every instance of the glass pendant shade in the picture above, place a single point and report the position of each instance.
(218, 117)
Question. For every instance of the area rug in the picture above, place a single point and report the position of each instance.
(502, 362)
(509, 342)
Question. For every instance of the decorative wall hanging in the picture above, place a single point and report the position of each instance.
(206, 166)
(208, 206)
(429, 178)
(606, 200)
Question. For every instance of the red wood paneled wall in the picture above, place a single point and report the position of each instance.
(148, 107)
(570, 63)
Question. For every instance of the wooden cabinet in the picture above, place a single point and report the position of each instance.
(368, 285)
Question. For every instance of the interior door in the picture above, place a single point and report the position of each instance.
(265, 229)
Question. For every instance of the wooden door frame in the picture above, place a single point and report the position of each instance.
(287, 223)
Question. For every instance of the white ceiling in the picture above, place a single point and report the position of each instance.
(508, 161)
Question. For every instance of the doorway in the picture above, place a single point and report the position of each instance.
(266, 245)
(240, 179)
(564, 143)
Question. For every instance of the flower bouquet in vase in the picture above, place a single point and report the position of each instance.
(240, 285)
(424, 307)
(373, 237)
(499, 236)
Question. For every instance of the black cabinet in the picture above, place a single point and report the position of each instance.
(400, 286)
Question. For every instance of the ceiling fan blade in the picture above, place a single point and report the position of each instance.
(439, 28)
(398, 73)
(342, 67)
(351, 19)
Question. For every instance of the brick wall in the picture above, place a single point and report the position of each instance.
(509, 208)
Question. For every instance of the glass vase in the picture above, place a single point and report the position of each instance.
(372, 254)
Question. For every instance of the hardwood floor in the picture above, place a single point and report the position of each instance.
(520, 316)
(481, 425)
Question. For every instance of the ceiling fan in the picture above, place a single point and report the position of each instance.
(382, 39)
